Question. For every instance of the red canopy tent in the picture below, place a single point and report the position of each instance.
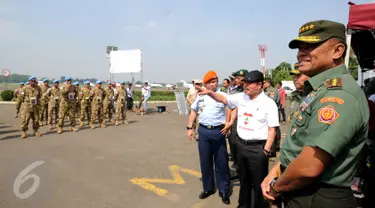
(361, 34)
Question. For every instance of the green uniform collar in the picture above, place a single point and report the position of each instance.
(318, 80)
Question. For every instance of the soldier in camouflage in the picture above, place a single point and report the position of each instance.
(120, 98)
(78, 101)
(85, 103)
(69, 95)
(53, 95)
(30, 97)
(43, 113)
(108, 102)
(17, 98)
(98, 95)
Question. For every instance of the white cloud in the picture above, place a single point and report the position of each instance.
(132, 27)
(152, 24)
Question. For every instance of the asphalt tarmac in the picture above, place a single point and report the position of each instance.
(147, 163)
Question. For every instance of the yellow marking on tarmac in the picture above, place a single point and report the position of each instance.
(147, 183)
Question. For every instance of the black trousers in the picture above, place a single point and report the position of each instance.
(321, 196)
(276, 143)
(282, 112)
(233, 142)
(129, 103)
(252, 169)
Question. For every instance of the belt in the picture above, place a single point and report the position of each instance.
(251, 142)
(212, 127)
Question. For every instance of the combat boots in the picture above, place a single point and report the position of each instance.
(117, 123)
(81, 124)
(59, 130)
(37, 133)
(40, 123)
(103, 125)
(73, 129)
(50, 127)
(23, 135)
(125, 122)
(113, 121)
(92, 126)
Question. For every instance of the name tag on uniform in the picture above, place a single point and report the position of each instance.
(71, 95)
(33, 101)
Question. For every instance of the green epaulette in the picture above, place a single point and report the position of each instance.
(334, 83)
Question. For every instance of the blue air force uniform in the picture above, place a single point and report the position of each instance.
(212, 143)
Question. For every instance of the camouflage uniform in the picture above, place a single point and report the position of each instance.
(43, 113)
(107, 104)
(273, 94)
(78, 103)
(18, 99)
(98, 95)
(85, 105)
(67, 106)
(120, 98)
(30, 109)
(53, 94)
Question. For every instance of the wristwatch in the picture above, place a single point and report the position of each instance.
(189, 128)
(272, 185)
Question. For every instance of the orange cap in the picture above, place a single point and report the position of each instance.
(209, 75)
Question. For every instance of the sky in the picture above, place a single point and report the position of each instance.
(179, 39)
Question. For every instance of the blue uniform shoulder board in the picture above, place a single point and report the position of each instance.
(334, 83)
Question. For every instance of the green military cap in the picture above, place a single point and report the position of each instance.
(233, 75)
(317, 32)
(295, 70)
(241, 72)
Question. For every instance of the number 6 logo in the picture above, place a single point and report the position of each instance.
(23, 177)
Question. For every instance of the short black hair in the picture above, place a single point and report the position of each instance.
(226, 79)
(268, 80)
(279, 82)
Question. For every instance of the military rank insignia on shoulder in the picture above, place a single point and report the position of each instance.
(334, 83)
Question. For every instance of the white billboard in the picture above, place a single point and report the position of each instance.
(126, 61)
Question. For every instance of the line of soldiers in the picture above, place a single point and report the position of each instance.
(45, 103)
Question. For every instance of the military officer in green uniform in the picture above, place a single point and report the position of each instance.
(239, 75)
(319, 155)
(270, 91)
(296, 97)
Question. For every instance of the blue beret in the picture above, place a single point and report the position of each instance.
(27, 83)
(31, 78)
(45, 80)
(56, 81)
(98, 81)
(75, 83)
(68, 78)
(122, 82)
(21, 83)
(87, 82)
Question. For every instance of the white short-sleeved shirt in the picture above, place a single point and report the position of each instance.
(254, 116)
(210, 111)
(146, 91)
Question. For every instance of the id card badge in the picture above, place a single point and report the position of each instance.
(71, 95)
(33, 100)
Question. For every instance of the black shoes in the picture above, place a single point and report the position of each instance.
(206, 194)
(225, 198)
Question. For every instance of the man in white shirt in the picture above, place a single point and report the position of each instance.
(146, 93)
(256, 123)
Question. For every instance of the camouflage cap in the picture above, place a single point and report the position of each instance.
(317, 32)
(241, 73)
